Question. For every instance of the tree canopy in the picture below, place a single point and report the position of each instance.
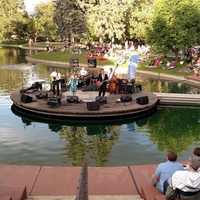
(174, 25)
(13, 18)
(163, 24)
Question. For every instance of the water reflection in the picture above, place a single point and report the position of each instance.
(175, 128)
(132, 142)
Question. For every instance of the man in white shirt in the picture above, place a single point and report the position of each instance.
(55, 76)
(83, 72)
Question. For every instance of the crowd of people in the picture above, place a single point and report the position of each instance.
(178, 181)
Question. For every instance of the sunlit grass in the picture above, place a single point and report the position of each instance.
(65, 57)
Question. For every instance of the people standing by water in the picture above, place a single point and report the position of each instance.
(102, 82)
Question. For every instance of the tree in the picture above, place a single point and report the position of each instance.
(70, 19)
(12, 14)
(105, 19)
(138, 15)
(44, 23)
(174, 25)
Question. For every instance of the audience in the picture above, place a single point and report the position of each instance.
(196, 151)
(165, 170)
(185, 184)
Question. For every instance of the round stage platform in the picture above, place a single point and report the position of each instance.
(85, 106)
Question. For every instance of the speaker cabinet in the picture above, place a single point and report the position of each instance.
(41, 95)
(26, 99)
(92, 62)
(74, 62)
(129, 89)
(92, 106)
(126, 98)
(53, 101)
(142, 100)
(72, 99)
(102, 100)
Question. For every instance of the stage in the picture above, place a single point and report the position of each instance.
(85, 105)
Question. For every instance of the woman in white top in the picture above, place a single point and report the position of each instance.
(187, 182)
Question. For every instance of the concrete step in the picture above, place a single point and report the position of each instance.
(17, 192)
(178, 99)
(5, 197)
(149, 192)
(91, 197)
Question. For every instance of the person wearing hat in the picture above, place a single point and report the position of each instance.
(186, 183)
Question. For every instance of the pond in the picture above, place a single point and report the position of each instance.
(32, 141)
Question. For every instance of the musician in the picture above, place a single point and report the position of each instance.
(102, 80)
(110, 74)
(83, 72)
(55, 76)
(74, 83)
(112, 80)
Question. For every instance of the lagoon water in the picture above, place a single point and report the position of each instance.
(134, 142)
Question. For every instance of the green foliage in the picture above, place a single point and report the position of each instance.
(12, 14)
(44, 25)
(168, 132)
(174, 24)
(70, 19)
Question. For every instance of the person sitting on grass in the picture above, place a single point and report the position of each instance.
(196, 71)
(167, 65)
(158, 62)
(152, 63)
(172, 65)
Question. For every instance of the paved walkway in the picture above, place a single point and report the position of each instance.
(54, 181)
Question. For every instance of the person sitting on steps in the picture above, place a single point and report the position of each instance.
(165, 170)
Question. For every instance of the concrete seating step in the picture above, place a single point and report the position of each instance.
(178, 99)
(149, 192)
(91, 197)
(17, 192)
(5, 197)
(160, 197)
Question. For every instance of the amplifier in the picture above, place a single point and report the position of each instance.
(26, 99)
(94, 105)
(102, 100)
(72, 99)
(41, 95)
(53, 101)
(142, 100)
(126, 98)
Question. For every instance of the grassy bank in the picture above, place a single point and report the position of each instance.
(180, 70)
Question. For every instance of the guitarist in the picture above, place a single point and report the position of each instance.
(102, 82)
(55, 76)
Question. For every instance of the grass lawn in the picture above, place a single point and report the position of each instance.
(180, 70)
